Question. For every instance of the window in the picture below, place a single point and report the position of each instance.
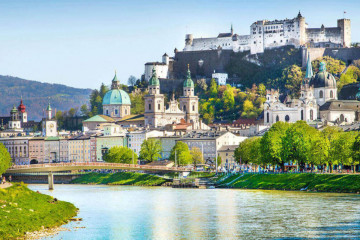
(193, 108)
(159, 107)
(321, 94)
(267, 117)
(342, 118)
(302, 114)
(277, 118)
(311, 114)
(149, 106)
(331, 94)
(184, 108)
(116, 111)
(287, 118)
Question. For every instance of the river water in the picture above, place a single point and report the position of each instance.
(127, 212)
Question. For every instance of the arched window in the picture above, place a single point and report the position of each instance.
(116, 111)
(321, 94)
(277, 118)
(125, 111)
(302, 114)
(184, 108)
(331, 94)
(287, 118)
(149, 106)
(193, 108)
(267, 117)
(159, 107)
(311, 114)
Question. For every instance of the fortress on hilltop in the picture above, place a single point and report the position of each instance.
(266, 34)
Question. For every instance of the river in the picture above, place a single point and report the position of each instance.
(127, 212)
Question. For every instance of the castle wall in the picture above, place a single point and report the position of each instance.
(212, 60)
(345, 54)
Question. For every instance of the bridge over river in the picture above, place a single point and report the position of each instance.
(50, 168)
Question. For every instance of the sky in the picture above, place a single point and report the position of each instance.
(81, 43)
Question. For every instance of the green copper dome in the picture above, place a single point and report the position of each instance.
(188, 82)
(14, 110)
(116, 96)
(323, 78)
(154, 81)
(48, 107)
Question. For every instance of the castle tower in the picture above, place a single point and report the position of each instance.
(345, 26)
(165, 59)
(154, 103)
(302, 29)
(189, 103)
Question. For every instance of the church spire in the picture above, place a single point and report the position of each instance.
(232, 30)
(309, 71)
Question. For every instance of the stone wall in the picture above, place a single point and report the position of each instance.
(201, 62)
(345, 54)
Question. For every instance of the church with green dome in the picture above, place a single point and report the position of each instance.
(184, 110)
(116, 102)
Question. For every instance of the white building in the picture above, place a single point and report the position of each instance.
(220, 78)
(161, 68)
(136, 138)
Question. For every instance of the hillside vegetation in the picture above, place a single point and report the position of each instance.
(36, 96)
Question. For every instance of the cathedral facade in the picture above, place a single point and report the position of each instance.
(156, 113)
(318, 102)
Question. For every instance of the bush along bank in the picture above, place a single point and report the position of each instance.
(346, 183)
(120, 178)
(23, 210)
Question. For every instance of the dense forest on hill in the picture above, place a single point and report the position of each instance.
(36, 96)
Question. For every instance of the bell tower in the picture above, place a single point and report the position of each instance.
(189, 103)
(154, 102)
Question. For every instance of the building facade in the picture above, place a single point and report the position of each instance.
(156, 115)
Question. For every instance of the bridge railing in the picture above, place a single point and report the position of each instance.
(98, 164)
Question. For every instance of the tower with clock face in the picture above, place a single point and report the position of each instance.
(49, 125)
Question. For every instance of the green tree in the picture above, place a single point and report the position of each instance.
(355, 152)
(342, 148)
(137, 103)
(249, 151)
(352, 75)
(72, 112)
(331, 134)
(213, 90)
(292, 76)
(228, 98)
(319, 150)
(94, 111)
(84, 110)
(103, 90)
(262, 90)
(150, 150)
(272, 151)
(196, 156)
(183, 156)
(333, 66)
(132, 80)
(5, 159)
(120, 154)
(59, 116)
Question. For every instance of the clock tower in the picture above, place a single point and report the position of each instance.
(49, 125)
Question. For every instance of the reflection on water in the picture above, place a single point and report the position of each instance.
(120, 212)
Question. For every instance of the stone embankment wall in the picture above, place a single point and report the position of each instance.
(345, 54)
(58, 179)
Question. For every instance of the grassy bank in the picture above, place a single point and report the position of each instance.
(312, 182)
(120, 178)
(23, 210)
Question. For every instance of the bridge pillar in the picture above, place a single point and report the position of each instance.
(51, 181)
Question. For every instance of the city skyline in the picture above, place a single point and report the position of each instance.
(81, 44)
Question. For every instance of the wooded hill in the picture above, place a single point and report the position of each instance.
(36, 96)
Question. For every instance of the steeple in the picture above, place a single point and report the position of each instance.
(299, 15)
(188, 82)
(232, 30)
(48, 112)
(154, 81)
(309, 71)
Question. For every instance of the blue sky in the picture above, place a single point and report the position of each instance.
(81, 43)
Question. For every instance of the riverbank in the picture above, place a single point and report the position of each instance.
(23, 211)
(120, 178)
(344, 183)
